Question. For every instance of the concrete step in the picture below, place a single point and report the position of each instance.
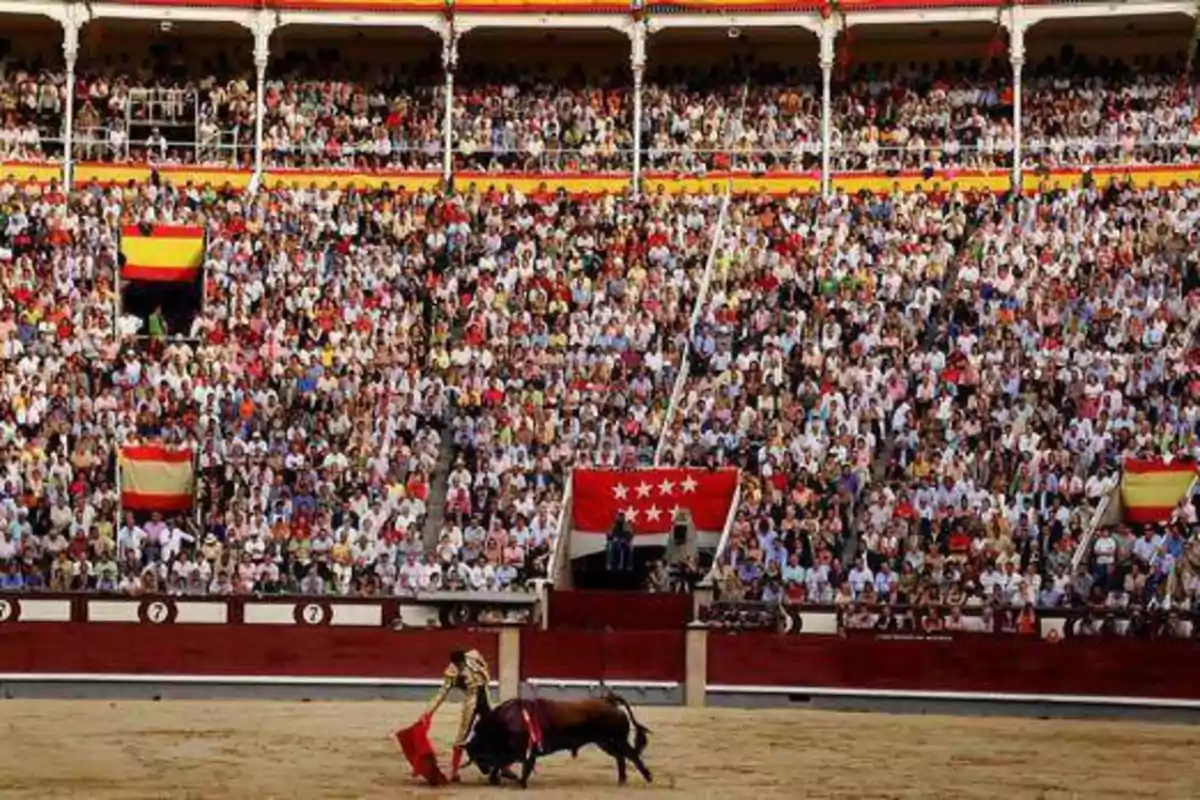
(439, 484)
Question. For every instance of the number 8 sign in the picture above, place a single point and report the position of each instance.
(9, 610)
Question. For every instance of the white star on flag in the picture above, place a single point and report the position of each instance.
(643, 490)
(631, 514)
(667, 486)
(689, 484)
(675, 511)
(653, 513)
(620, 491)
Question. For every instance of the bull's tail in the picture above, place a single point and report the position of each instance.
(640, 731)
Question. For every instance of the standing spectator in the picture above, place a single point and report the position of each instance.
(619, 547)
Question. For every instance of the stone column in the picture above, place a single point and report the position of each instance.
(71, 26)
(263, 28)
(1016, 54)
(449, 65)
(637, 59)
(828, 39)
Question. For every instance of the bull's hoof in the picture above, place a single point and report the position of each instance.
(494, 778)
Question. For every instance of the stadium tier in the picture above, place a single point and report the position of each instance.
(774, 97)
(372, 300)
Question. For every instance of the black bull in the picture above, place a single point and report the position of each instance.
(506, 735)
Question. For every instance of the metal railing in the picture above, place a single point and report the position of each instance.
(693, 319)
(232, 146)
(701, 300)
(551, 159)
(162, 106)
(1084, 548)
(107, 144)
(726, 533)
(353, 154)
(563, 528)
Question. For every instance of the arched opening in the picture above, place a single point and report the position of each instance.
(354, 98)
(1108, 91)
(740, 99)
(544, 101)
(922, 97)
(34, 79)
(164, 93)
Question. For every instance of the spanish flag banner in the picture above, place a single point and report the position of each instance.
(161, 253)
(1150, 490)
(156, 478)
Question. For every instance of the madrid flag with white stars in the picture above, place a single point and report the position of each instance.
(650, 499)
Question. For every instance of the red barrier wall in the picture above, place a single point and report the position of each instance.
(622, 611)
(234, 650)
(1117, 667)
(595, 655)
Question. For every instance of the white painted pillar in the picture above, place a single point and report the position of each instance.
(263, 27)
(637, 59)
(509, 668)
(1016, 54)
(695, 683)
(70, 54)
(828, 40)
(449, 65)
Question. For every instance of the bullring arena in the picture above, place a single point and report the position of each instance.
(822, 376)
(149, 724)
(327, 750)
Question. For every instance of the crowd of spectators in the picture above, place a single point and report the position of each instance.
(163, 109)
(513, 120)
(924, 117)
(573, 322)
(348, 342)
(327, 110)
(31, 106)
(1087, 111)
(930, 394)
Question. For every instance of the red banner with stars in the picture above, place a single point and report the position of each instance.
(650, 498)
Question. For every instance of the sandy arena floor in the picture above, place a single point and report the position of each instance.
(232, 750)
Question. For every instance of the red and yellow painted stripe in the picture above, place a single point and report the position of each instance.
(344, 179)
(1151, 490)
(156, 478)
(439, 6)
(25, 172)
(779, 183)
(571, 182)
(964, 180)
(165, 253)
(1142, 177)
(581, 6)
(121, 174)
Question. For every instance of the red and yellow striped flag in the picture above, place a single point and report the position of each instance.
(155, 478)
(169, 253)
(1150, 490)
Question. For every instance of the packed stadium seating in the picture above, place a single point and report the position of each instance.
(928, 392)
(976, 391)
